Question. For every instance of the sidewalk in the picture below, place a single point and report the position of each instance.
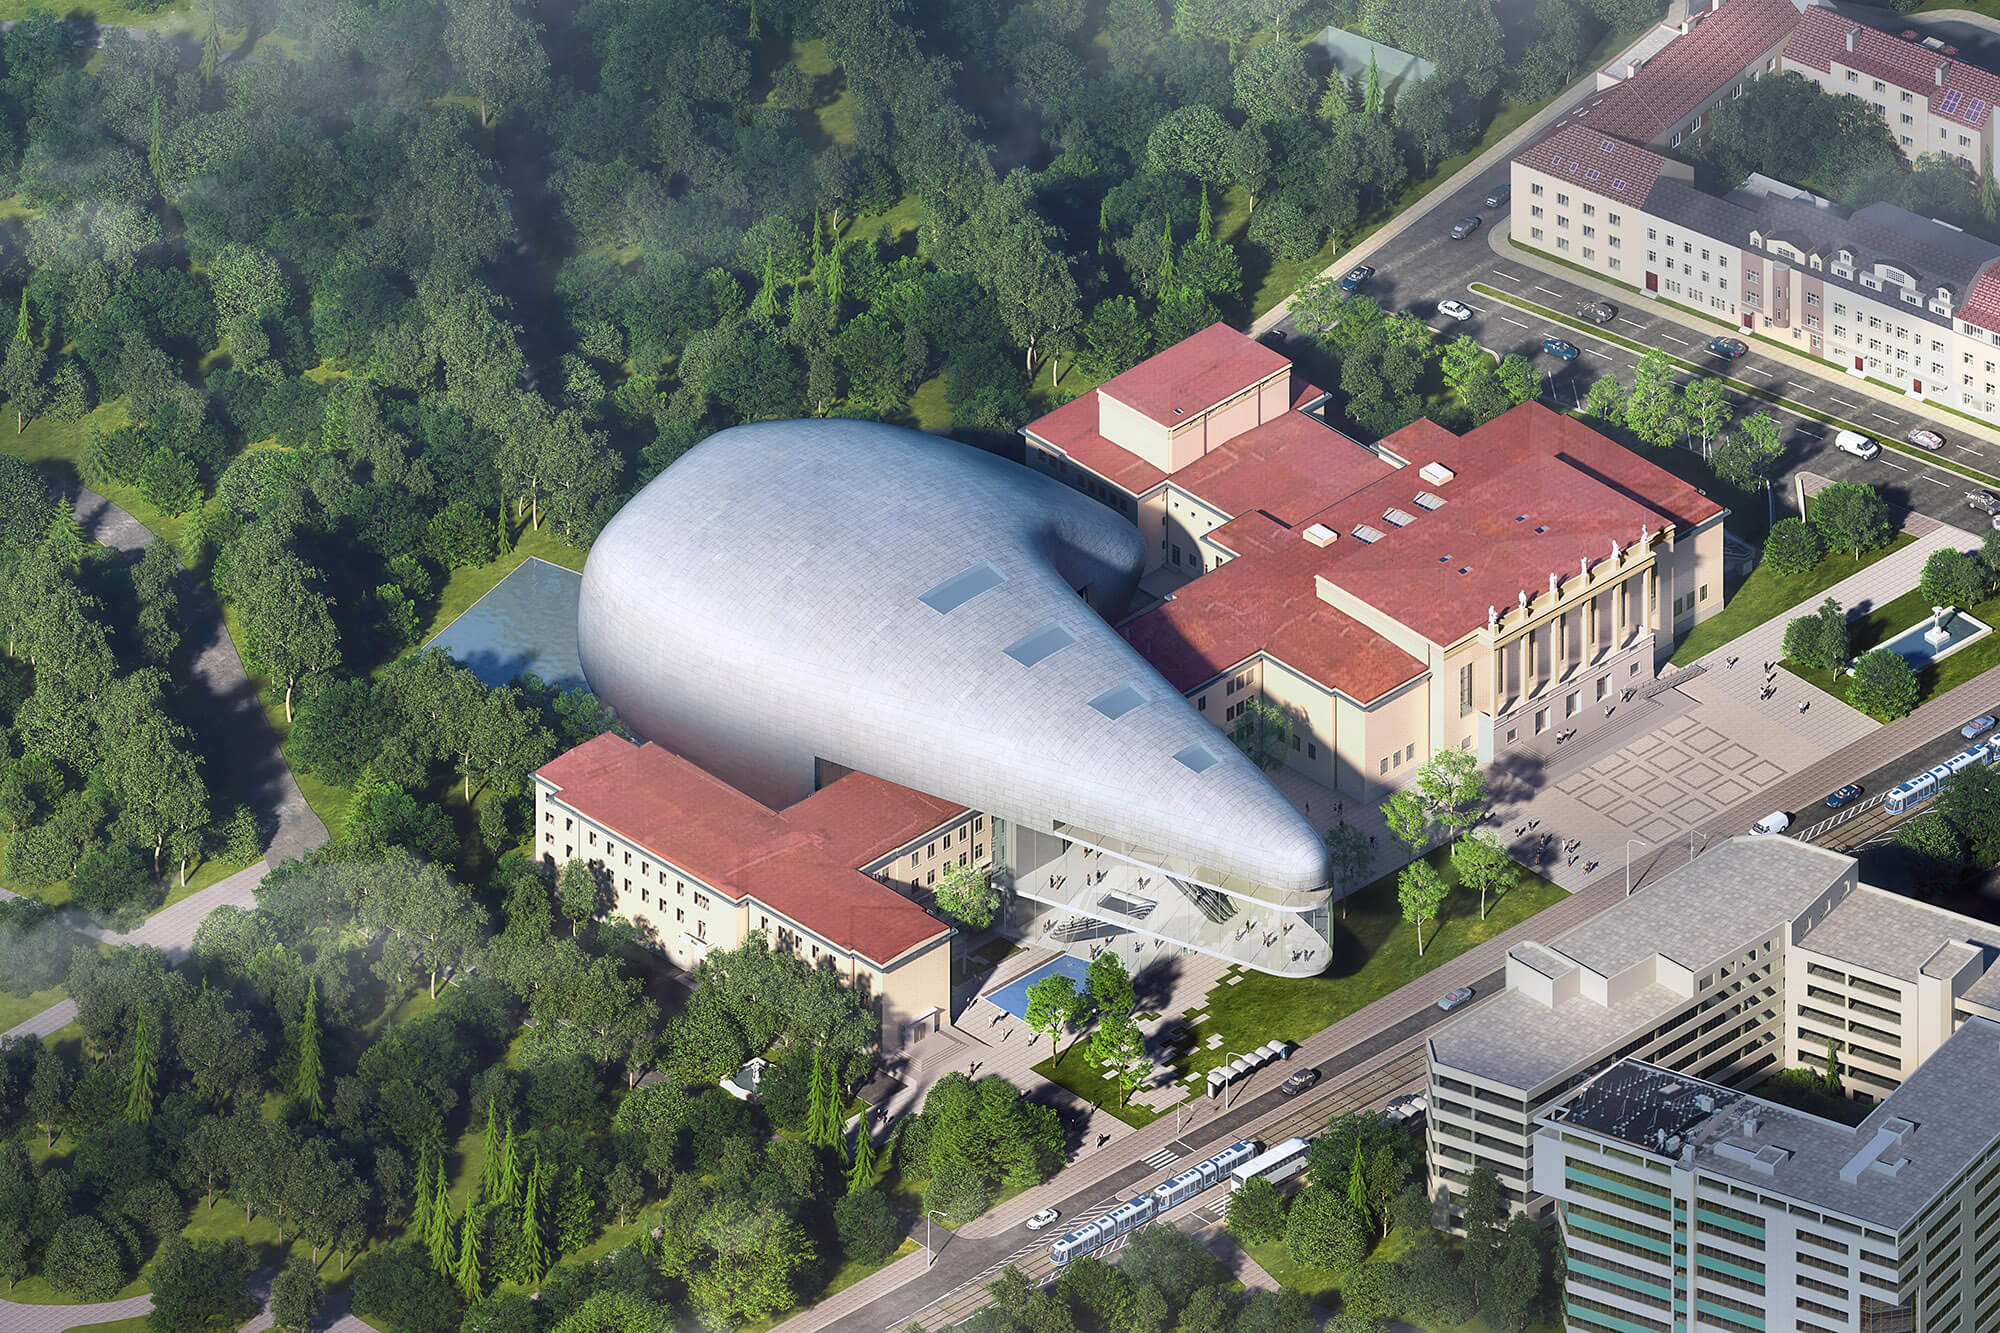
(1498, 236)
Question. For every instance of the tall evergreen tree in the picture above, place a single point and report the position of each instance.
(576, 1215)
(1207, 219)
(861, 1175)
(144, 1073)
(1357, 1188)
(1166, 256)
(468, 1274)
(489, 1165)
(307, 1083)
(507, 1186)
(211, 45)
(156, 160)
(767, 290)
(426, 1199)
(1374, 98)
(438, 1239)
(533, 1254)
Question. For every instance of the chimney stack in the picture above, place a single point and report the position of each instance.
(1852, 33)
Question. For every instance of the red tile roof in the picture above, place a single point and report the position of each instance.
(1687, 71)
(1267, 602)
(1290, 466)
(1982, 303)
(1194, 374)
(1585, 156)
(801, 862)
(1528, 469)
(1966, 93)
(1072, 428)
(1583, 490)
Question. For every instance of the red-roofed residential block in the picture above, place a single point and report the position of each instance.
(696, 864)
(1197, 373)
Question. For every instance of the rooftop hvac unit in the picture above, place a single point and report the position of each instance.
(1319, 534)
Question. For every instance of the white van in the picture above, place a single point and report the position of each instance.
(1775, 822)
(1854, 442)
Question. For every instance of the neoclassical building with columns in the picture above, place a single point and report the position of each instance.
(1428, 592)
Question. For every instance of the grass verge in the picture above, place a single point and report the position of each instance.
(1764, 594)
(18, 1009)
(1076, 1073)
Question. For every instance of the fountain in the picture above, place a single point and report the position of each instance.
(1945, 632)
(1938, 636)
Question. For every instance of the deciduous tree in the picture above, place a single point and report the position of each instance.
(1421, 892)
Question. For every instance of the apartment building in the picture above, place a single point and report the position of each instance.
(1931, 101)
(1881, 292)
(696, 865)
(1686, 1204)
(1428, 592)
(1752, 958)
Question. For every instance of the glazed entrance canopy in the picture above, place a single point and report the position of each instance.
(795, 598)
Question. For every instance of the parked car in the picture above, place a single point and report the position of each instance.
(1926, 439)
(1852, 791)
(1598, 312)
(1298, 1082)
(1729, 347)
(1357, 275)
(1775, 822)
(1455, 998)
(1043, 1218)
(1405, 1109)
(1464, 227)
(1273, 338)
(1978, 727)
(1455, 309)
(1854, 442)
(1562, 351)
(1498, 195)
(1983, 501)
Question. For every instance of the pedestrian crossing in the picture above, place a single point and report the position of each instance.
(1165, 1157)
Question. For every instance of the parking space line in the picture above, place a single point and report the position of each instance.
(1505, 274)
(1682, 341)
(1515, 322)
(1898, 466)
(1833, 397)
(1557, 295)
(1932, 480)
(1879, 417)
(1633, 322)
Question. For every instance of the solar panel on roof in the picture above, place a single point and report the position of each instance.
(1591, 174)
(1975, 109)
(1604, 147)
(1950, 100)
(1617, 184)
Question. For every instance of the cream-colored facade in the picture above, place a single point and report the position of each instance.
(684, 917)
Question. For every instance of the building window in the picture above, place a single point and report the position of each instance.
(1603, 686)
(1590, 210)
(1613, 219)
(1312, 750)
(1562, 201)
(1465, 689)
(1385, 763)
(1535, 190)
(1534, 210)
(1570, 704)
(1535, 232)
(1541, 720)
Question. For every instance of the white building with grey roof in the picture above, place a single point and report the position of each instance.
(1756, 956)
(1686, 1204)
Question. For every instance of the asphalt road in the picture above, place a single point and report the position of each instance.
(955, 1286)
(1423, 266)
(1864, 823)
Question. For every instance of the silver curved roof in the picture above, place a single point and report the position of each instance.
(907, 606)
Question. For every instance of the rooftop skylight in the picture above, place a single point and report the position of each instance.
(1197, 757)
(1364, 533)
(1119, 700)
(1044, 641)
(1429, 500)
(1402, 518)
(959, 589)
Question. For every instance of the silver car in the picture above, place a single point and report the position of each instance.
(1455, 998)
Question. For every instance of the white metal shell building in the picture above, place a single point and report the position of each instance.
(795, 600)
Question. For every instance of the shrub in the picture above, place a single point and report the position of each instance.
(867, 1226)
(113, 879)
(1792, 547)
(1884, 685)
(84, 1260)
(396, 1289)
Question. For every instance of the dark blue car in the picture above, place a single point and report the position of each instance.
(1357, 275)
(1848, 793)
(1729, 347)
(1559, 349)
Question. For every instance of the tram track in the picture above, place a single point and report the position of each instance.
(1371, 1089)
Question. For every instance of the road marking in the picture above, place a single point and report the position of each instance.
(1164, 1157)
(1633, 322)
(1682, 341)
(1557, 295)
(1515, 322)
(1879, 417)
(1925, 476)
(1834, 397)
(1966, 450)
(1898, 466)
(1505, 274)
(1817, 432)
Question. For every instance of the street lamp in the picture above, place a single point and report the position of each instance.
(1229, 1088)
(929, 1213)
(1628, 861)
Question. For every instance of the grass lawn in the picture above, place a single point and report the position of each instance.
(1077, 1074)
(1765, 594)
(136, 1324)
(1913, 608)
(18, 1009)
(1374, 953)
(1990, 8)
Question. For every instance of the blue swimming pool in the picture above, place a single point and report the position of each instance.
(1013, 997)
(526, 623)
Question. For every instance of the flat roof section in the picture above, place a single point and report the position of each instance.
(1195, 374)
(1888, 933)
